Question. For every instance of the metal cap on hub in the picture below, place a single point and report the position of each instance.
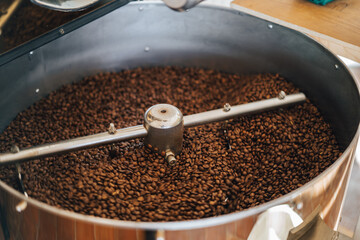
(165, 126)
(163, 116)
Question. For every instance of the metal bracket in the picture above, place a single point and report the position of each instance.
(314, 228)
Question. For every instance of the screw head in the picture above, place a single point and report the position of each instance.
(15, 149)
(112, 129)
(31, 54)
(282, 95)
(170, 158)
(227, 107)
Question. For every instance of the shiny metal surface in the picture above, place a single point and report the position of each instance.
(163, 129)
(65, 5)
(73, 144)
(182, 5)
(208, 37)
(238, 110)
(165, 126)
(350, 214)
(77, 5)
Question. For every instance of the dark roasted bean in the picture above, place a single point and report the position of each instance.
(271, 154)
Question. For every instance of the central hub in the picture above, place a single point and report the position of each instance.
(165, 126)
(163, 116)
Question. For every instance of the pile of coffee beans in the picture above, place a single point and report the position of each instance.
(256, 159)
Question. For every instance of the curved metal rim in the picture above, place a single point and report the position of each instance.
(205, 222)
(184, 225)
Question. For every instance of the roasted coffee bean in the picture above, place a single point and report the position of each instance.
(272, 153)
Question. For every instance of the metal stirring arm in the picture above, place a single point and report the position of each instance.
(154, 131)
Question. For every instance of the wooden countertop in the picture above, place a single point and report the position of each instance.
(335, 25)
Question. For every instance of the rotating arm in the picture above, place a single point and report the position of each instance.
(242, 109)
(124, 134)
(73, 144)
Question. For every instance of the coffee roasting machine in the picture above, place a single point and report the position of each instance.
(116, 35)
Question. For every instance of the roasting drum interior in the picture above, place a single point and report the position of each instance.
(140, 35)
(150, 34)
